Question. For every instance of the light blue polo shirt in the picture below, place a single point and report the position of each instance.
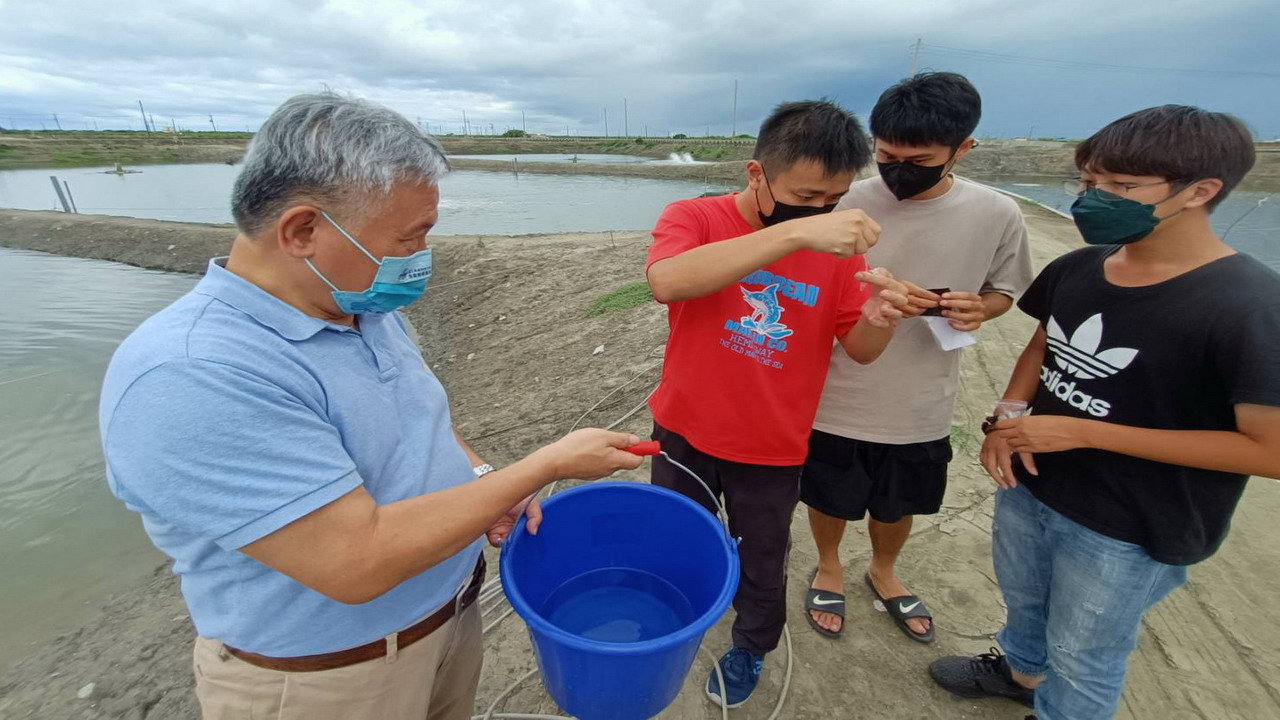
(230, 414)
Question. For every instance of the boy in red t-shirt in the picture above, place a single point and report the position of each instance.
(759, 284)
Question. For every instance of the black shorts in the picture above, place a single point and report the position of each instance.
(848, 478)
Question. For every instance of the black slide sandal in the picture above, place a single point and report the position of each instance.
(902, 609)
(823, 601)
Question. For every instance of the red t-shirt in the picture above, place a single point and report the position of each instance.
(745, 366)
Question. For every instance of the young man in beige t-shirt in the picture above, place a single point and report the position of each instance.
(944, 233)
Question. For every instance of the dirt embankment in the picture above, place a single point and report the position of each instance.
(88, 149)
(721, 158)
(1009, 159)
(504, 325)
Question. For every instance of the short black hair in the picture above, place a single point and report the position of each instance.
(818, 130)
(930, 108)
(1179, 143)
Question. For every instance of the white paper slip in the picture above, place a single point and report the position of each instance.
(948, 337)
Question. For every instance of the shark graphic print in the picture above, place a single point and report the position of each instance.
(765, 313)
(761, 334)
(1077, 359)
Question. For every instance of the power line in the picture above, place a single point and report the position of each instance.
(1082, 65)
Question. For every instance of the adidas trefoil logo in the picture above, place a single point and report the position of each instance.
(1080, 358)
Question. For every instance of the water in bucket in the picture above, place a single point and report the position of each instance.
(618, 588)
(618, 605)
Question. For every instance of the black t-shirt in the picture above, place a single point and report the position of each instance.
(1177, 355)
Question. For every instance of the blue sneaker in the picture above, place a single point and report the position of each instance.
(741, 669)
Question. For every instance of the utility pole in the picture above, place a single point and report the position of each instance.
(152, 118)
(523, 126)
(145, 126)
(466, 129)
(62, 199)
(606, 122)
(626, 122)
(915, 57)
(56, 121)
(214, 124)
(735, 108)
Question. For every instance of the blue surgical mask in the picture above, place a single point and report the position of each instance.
(399, 281)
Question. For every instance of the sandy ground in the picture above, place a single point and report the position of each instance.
(503, 325)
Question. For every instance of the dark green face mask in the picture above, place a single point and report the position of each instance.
(1106, 219)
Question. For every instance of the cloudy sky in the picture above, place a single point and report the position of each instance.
(1044, 68)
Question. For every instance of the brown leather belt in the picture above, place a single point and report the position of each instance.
(377, 648)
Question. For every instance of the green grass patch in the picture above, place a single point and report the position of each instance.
(76, 157)
(962, 439)
(624, 298)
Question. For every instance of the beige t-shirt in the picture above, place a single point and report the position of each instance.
(972, 239)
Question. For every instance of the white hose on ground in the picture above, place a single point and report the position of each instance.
(715, 665)
(630, 412)
(786, 681)
(552, 487)
(493, 706)
(501, 617)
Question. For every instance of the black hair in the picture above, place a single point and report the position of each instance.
(930, 108)
(1179, 143)
(818, 130)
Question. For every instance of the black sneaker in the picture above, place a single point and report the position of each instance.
(985, 675)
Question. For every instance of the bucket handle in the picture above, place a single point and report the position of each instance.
(654, 448)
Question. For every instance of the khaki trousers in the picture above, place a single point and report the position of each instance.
(433, 679)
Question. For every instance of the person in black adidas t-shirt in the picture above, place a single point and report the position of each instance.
(1154, 394)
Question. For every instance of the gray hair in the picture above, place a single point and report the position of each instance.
(329, 148)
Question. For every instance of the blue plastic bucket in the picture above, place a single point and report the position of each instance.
(618, 588)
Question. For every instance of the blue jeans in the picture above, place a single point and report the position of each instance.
(1076, 600)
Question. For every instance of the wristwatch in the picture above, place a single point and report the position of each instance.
(482, 470)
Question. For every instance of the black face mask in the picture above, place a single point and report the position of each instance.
(906, 180)
(783, 212)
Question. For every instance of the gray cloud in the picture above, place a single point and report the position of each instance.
(563, 62)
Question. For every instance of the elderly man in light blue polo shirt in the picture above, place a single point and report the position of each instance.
(282, 439)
